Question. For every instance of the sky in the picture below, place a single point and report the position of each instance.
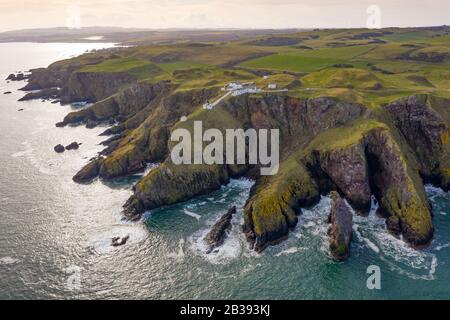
(158, 14)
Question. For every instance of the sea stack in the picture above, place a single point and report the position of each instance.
(216, 237)
(340, 231)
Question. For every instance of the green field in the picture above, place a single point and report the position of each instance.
(366, 65)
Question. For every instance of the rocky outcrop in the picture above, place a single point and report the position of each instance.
(340, 231)
(170, 184)
(93, 86)
(121, 105)
(271, 211)
(119, 241)
(346, 169)
(16, 77)
(427, 133)
(145, 139)
(89, 172)
(370, 161)
(216, 237)
(50, 93)
(275, 202)
(43, 78)
(73, 146)
(398, 188)
(59, 148)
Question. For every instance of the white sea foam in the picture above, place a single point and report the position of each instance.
(372, 232)
(101, 243)
(289, 251)
(178, 256)
(314, 222)
(192, 214)
(443, 246)
(235, 245)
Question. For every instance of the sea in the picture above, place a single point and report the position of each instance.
(55, 235)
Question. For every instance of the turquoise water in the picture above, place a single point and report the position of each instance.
(49, 225)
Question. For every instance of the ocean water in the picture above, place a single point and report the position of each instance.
(55, 235)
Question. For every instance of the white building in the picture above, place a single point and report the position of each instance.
(272, 86)
(246, 90)
(234, 86)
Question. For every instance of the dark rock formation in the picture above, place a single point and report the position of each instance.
(340, 231)
(119, 241)
(148, 128)
(125, 103)
(50, 93)
(170, 184)
(427, 133)
(88, 173)
(16, 77)
(87, 86)
(7, 92)
(90, 124)
(216, 237)
(347, 169)
(398, 188)
(394, 226)
(43, 78)
(59, 148)
(73, 146)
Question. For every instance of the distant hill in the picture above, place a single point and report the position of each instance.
(133, 36)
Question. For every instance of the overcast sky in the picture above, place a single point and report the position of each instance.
(18, 14)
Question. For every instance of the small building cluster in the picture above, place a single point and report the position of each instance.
(237, 89)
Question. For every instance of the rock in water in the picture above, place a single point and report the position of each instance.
(216, 237)
(118, 241)
(19, 77)
(340, 231)
(50, 93)
(59, 148)
(73, 146)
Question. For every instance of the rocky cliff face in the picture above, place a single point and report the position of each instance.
(151, 112)
(120, 106)
(89, 86)
(326, 145)
(427, 133)
(398, 188)
(44, 78)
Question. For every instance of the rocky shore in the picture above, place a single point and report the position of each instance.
(326, 145)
